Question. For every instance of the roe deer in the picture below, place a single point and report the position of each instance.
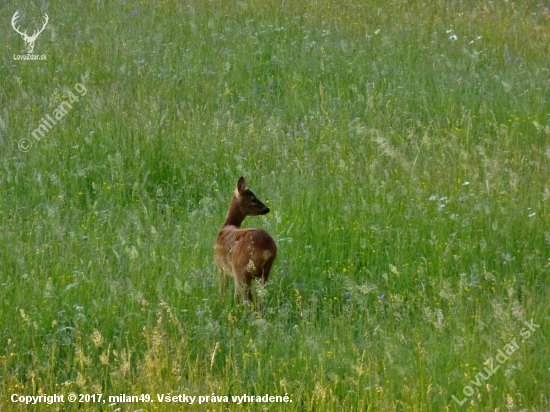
(244, 253)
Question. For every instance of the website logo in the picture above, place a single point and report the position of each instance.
(29, 40)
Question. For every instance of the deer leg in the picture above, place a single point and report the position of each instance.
(223, 282)
(243, 287)
(243, 292)
(260, 291)
(262, 280)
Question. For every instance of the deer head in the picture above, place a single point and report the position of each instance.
(29, 40)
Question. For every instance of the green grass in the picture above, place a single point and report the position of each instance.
(407, 175)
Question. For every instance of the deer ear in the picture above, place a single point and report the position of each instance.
(241, 185)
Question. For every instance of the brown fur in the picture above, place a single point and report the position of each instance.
(244, 253)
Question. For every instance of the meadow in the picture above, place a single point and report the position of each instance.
(403, 148)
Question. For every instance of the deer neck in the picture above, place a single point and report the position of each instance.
(234, 217)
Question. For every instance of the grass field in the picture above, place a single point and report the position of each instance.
(403, 148)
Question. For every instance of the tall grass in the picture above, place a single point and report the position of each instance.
(407, 174)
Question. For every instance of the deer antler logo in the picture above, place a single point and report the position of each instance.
(28, 39)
